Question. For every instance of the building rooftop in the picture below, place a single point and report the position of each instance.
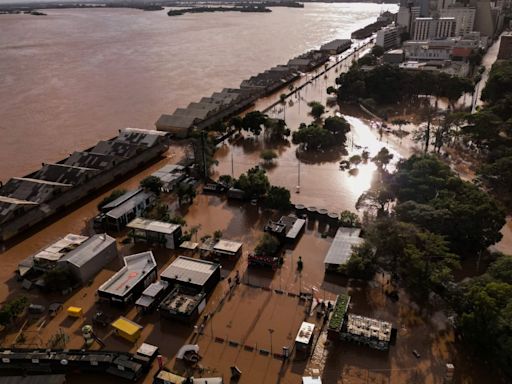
(62, 173)
(336, 44)
(149, 294)
(26, 189)
(117, 148)
(135, 268)
(129, 204)
(188, 270)
(368, 327)
(89, 249)
(121, 199)
(227, 246)
(341, 247)
(181, 302)
(176, 121)
(91, 160)
(153, 226)
(60, 248)
(305, 333)
(146, 137)
(293, 226)
(127, 326)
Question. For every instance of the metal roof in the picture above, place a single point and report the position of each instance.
(227, 246)
(121, 199)
(61, 247)
(129, 205)
(186, 269)
(305, 333)
(341, 247)
(136, 267)
(153, 226)
(295, 228)
(89, 249)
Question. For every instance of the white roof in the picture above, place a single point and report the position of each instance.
(341, 247)
(190, 270)
(89, 249)
(135, 268)
(60, 248)
(305, 333)
(227, 246)
(129, 204)
(153, 226)
(311, 380)
(189, 245)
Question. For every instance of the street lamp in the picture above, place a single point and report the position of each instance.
(270, 331)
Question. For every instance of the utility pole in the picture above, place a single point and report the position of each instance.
(232, 165)
(205, 173)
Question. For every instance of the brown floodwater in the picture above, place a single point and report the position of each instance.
(247, 314)
(75, 76)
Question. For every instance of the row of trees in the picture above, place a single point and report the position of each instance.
(255, 122)
(388, 84)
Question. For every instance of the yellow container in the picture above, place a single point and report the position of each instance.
(75, 311)
(127, 329)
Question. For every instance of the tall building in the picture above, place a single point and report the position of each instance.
(389, 37)
(428, 28)
(483, 17)
(464, 19)
(406, 16)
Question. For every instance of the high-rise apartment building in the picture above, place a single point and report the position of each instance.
(427, 28)
(464, 18)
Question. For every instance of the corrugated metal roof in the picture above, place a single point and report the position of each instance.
(190, 270)
(89, 249)
(153, 226)
(341, 247)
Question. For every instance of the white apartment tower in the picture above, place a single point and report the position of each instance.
(427, 28)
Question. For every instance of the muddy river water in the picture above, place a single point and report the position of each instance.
(157, 84)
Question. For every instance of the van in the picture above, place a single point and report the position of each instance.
(36, 309)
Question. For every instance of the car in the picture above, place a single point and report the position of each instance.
(416, 353)
(54, 308)
(101, 319)
(36, 309)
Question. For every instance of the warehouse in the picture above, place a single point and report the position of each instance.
(90, 257)
(198, 275)
(155, 232)
(341, 248)
(129, 282)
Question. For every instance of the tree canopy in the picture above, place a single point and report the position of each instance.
(278, 198)
(314, 137)
(267, 246)
(254, 121)
(388, 84)
(254, 183)
(152, 183)
(430, 195)
(317, 109)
